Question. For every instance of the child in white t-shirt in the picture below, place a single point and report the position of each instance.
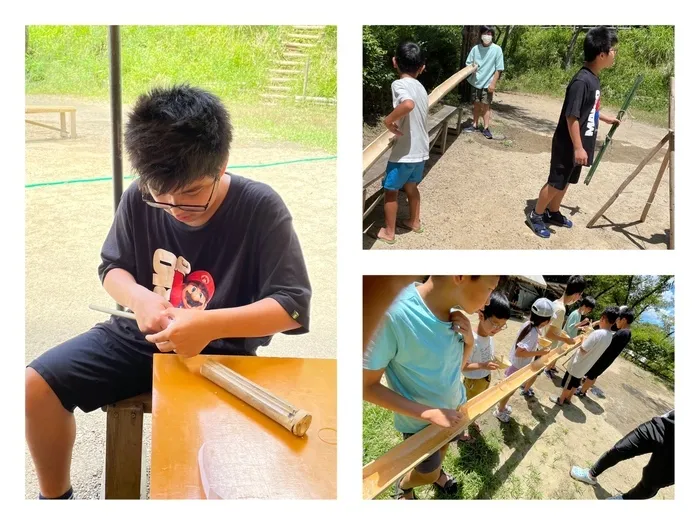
(525, 350)
(477, 370)
(586, 356)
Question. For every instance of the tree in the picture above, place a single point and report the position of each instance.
(639, 292)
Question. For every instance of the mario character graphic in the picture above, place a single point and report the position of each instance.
(194, 291)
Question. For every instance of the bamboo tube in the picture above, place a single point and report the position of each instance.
(378, 146)
(113, 311)
(385, 470)
(297, 421)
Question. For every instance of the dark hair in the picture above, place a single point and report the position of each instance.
(575, 284)
(533, 323)
(177, 135)
(498, 307)
(611, 313)
(627, 314)
(409, 57)
(598, 40)
(485, 29)
(588, 302)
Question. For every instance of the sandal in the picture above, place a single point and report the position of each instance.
(450, 487)
(466, 438)
(404, 226)
(385, 241)
(400, 493)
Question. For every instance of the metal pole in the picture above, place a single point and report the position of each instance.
(115, 96)
(609, 136)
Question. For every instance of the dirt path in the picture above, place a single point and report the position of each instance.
(66, 225)
(475, 195)
(543, 441)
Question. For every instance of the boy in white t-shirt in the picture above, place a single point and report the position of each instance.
(410, 149)
(574, 289)
(586, 356)
(477, 371)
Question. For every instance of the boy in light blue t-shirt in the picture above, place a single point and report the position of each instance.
(419, 351)
(489, 59)
(573, 322)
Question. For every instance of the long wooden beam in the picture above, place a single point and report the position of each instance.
(379, 474)
(378, 146)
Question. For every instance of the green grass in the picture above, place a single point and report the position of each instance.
(230, 61)
(475, 466)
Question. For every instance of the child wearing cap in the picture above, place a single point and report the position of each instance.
(524, 349)
(586, 355)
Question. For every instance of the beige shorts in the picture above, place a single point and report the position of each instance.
(476, 386)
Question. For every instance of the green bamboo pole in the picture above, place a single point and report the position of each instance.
(609, 136)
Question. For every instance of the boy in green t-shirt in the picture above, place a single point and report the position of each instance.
(573, 322)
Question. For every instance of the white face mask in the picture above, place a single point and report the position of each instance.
(486, 39)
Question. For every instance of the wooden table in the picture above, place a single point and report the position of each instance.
(257, 457)
(61, 110)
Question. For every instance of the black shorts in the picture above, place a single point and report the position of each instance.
(561, 175)
(568, 382)
(432, 463)
(96, 368)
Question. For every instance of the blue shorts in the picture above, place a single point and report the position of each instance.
(400, 173)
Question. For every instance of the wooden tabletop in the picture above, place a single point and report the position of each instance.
(247, 455)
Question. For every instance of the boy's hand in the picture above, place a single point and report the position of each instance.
(150, 309)
(490, 365)
(442, 417)
(393, 127)
(492, 88)
(462, 325)
(580, 156)
(186, 335)
(615, 121)
(570, 341)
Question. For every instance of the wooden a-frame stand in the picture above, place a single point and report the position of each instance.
(667, 162)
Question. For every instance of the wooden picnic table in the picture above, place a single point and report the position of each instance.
(62, 111)
(249, 455)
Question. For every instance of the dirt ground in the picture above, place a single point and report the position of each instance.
(546, 440)
(475, 195)
(66, 225)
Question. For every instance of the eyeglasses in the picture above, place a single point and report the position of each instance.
(184, 207)
(495, 326)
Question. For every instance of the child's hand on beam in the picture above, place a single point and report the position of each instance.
(442, 417)
(186, 335)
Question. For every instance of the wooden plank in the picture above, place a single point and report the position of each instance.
(379, 474)
(378, 146)
(655, 187)
(49, 109)
(123, 452)
(629, 179)
(42, 125)
(253, 456)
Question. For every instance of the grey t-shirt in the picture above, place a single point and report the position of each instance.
(412, 146)
(246, 252)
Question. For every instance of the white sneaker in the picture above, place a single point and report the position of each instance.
(619, 496)
(503, 417)
(509, 409)
(583, 474)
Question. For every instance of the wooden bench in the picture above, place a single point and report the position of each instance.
(438, 129)
(124, 446)
(62, 110)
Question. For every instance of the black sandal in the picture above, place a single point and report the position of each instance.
(400, 493)
(451, 486)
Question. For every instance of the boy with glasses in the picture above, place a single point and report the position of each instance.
(188, 235)
(573, 143)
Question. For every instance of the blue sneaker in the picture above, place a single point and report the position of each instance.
(582, 474)
(557, 219)
(536, 222)
(487, 133)
(470, 129)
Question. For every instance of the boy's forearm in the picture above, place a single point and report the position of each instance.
(387, 398)
(607, 118)
(400, 111)
(467, 354)
(574, 132)
(122, 287)
(472, 366)
(259, 319)
(496, 78)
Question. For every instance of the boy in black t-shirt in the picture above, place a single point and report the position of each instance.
(573, 143)
(208, 261)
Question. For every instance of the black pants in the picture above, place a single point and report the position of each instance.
(646, 438)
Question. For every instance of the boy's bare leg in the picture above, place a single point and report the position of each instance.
(391, 208)
(477, 113)
(547, 195)
(487, 115)
(588, 383)
(503, 403)
(416, 479)
(411, 189)
(50, 434)
(556, 200)
(528, 384)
